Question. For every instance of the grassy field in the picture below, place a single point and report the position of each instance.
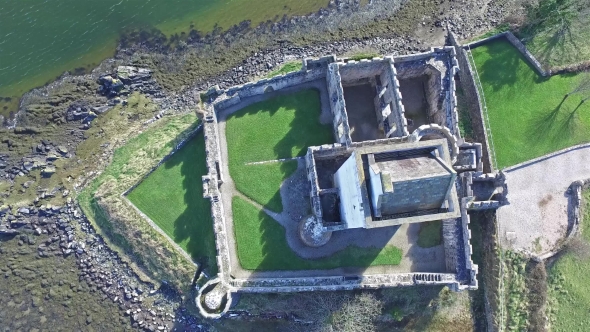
(558, 32)
(570, 282)
(286, 68)
(278, 128)
(430, 234)
(172, 197)
(262, 245)
(528, 114)
(123, 229)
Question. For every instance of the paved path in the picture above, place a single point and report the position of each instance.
(536, 218)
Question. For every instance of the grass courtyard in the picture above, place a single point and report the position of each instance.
(279, 128)
(172, 197)
(570, 282)
(262, 246)
(529, 115)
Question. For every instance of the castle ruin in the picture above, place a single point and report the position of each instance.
(398, 160)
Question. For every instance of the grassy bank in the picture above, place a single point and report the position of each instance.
(285, 69)
(262, 246)
(569, 280)
(279, 128)
(124, 229)
(529, 115)
(171, 197)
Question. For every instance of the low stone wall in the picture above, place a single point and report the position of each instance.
(179, 145)
(574, 214)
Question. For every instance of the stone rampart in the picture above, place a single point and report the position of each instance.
(472, 268)
(237, 94)
(474, 102)
(276, 285)
(451, 98)
(211, 183)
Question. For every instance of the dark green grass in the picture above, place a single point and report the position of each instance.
(528, 114)
(430, 234)
(465, 126)
(172, 196)
(262, 246)
(570, 281)
(278, 128)
(286, 68)
(263, 182)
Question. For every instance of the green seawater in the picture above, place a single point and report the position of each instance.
(40, 39)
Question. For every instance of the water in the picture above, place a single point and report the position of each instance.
(40, 39)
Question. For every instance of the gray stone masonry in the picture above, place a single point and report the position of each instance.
(474, 102)
(441, 65)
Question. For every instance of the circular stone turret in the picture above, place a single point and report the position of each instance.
(213, 299)
(312, 233)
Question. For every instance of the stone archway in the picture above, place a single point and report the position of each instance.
(426, 131)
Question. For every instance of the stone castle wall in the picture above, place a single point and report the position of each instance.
(474, 102)
(324, 68)
(337, 105)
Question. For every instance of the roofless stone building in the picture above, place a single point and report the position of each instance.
(399, 160)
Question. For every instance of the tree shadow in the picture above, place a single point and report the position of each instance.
(541, 127)
(501, 68)
(569, 126)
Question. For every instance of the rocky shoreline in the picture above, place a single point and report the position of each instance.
(63, 231)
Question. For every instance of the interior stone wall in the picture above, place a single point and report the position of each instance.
(337, 105)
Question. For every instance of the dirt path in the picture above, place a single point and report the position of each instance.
(536, 218)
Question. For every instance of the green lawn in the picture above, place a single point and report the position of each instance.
(528, 114)
(262, 245)
(172, 196)
(248, 182)
(278, 128)
(430, 234)
(286, 68)
(570, 284)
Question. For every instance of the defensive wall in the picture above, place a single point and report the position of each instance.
(334, 71)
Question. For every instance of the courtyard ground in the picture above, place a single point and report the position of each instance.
(529, 115)
(171, 197)
(282, 127)
(536, 218)
(270, 251)
(255, 245)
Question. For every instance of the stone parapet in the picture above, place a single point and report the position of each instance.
(274, 285)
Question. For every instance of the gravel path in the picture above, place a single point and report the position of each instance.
(536, 218)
